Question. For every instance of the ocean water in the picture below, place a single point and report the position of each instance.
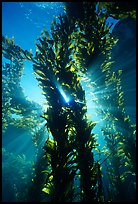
(25, 132)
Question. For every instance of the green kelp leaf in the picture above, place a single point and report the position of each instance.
(50, 144)
(46, 190)
(72, 45)
(73, 68)
(120, 72)
(120, 150)
(40, 73)
(122, 178)
(92, 124)
(121, 143)
(96, 149)
(120, 153)
(6, 55)
(126, 119)
(40, 48)
(45, 171)
(127, 164)
(28, 54)
(50, 177)
(48, 156)
(107, 65)
(92, 49)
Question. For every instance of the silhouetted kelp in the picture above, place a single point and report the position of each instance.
(15, 187)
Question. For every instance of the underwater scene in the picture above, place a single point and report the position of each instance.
(69, 102)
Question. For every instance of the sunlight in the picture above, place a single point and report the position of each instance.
(67, 99)
(64, 95)
(50, 5)
(20, 144)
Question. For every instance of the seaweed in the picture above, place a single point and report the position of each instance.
(15, 186)
(118, 10)
(61, 62)
(118, 130)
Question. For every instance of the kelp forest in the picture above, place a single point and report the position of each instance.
(71, 164)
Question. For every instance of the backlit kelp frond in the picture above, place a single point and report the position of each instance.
(118, 10)
(117, 131)
(117, 167)
(114, 116)
(62, 171)
(62, 49)
(85, 141)
(11, 51)
(91, 37)
(40, 171)
(11, 74)
(121, 120)
(66, 119)
(17, 110)
(112, 94)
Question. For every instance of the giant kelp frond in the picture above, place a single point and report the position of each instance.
(11, 51)
(62, 171)
(67, 122)
(91, 36)
(117, 131)
(119, 10)
(17, 110)
(120, 118)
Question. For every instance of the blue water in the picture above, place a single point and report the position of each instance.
(25, 21)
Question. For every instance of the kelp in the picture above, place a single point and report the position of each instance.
(56, 150)
(117, 130)
(91, 35)
(16, 175)
(60, 64)
(17, 110)
(111, 81)
(58, 71)
(39, 169)
(118, 10)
